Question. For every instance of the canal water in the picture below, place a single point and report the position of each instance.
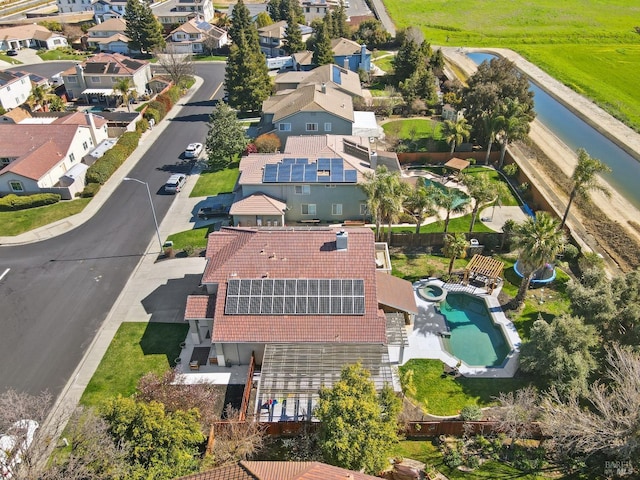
(576, 133)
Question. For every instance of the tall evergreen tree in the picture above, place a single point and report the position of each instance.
(241, 21)
(273, 9)
(226, 137)
(322, 53)
(293, 35)
(340, 28)
(143, 29)
(407, 60)
(247, 78)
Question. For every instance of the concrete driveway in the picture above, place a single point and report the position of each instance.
(26, 56)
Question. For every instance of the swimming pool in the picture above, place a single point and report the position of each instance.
(474, 338)
(461, 197)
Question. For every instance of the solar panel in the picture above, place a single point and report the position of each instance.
(311, 173)
(297, 172)
(324, 164)
(295, 296)
(350, 176)
(302, 161)
(284, 173)
(270, 173)
(288, 161)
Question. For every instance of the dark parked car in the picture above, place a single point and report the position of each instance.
(209, 212)
(12, 52)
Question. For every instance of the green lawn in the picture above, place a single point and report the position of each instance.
(209, 58)
(213, 183)
(414, 128)
(62, 54)
(12, 60)
(385, 63)
(459, 224)
(15, 223)
(447, 395)
(591, 46)
(414, 266)
(426, 451)
(196, 238)
(137, 348)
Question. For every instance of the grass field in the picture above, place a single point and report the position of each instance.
(15, 223)
(213, 183)
(196, 238)
(137, 348)
(590, 46)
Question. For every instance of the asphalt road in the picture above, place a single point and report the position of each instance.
(59, 291)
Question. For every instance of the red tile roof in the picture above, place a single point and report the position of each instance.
(293, 253)
(396, 293)
(200, 307)
(279, 471)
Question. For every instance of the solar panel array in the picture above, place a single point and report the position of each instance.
(268, 296)
(299, 170)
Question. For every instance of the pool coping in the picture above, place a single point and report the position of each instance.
(511, 363)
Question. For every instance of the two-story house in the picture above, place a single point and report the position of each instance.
(271, 38)
(109, 36)
(309, 110)
(316, 181)
(346, 53)
(94, 78)
(197, 36)
(35, 157)
(103, 10)
(15, 89)
(177, 12)
(302, 303)
(313, 9)
(30, 36)
(72, 6)
(334, 76)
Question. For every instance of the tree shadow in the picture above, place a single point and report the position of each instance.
(164, 339)
(166, 304)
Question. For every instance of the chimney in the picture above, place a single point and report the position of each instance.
(323, 88)
(342, 240)
(374, 160)
(363, 55)
(80, 75)
(92, 127)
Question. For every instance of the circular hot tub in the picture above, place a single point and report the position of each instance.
(432, 292)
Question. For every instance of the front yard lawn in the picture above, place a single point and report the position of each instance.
(212, 183)
(196, 238)
(62, 54)
(447, 395)
(20, 221)
(136, 349)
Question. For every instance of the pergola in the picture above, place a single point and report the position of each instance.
(457, 164)
(484, 269)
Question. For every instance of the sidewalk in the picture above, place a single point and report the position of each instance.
(69, 223)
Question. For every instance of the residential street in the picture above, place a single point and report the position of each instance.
(58, 292)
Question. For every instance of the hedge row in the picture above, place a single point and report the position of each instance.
(158, 108)
(104, 167)
(14, 202)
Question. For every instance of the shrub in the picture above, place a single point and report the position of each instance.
(165, 101)
(250, 148)
(452, 459)
(571, 252)
(268, 143)
(174, 94)
(152, 113)
(159, 107)
(590, 260)
(471, 413)
(14, 202)
(189, 249)
(90, 190)
(142, 125)
(510, 170)
(129, 142)
(472, 461)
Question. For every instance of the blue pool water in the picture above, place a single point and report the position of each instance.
(461, 197)
(474, 338)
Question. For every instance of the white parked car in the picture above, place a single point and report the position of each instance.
(193, 150)
(175, 183)
(14, 444)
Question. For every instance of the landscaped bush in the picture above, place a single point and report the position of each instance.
(159, 107)
(471, 413)
(104, 167)
(268, 143)
(571, 252)
(152, 113)
(90, 190)
(165, 100)
(14, 202)
(129, 142)
(142, 125)
(174, 94)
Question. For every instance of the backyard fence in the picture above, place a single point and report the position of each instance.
(436, 240)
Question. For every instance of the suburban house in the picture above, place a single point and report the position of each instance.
(255, 9)
(44, 157)
(249, 470)
(451, 113)
(177, 12)
(309, 110)
(271, 38)
(300, 303)
(72, 6)
(197, 36)
(30, 36)
(313, 9)
(315, 181)
(351, 55)
(94, 79)
(109, 36)
(334, 76)
(346, 53)
(15, 89)
(103, 10)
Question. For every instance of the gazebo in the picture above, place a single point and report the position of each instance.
(457, 164)
(483, 269)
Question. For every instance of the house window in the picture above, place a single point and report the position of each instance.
(327, 126)
(8, 88)
(311, 127)
(72, 157)
(336, 209)
(95, 79)
(284, 127)
(4, 161)
(22, 81)
(308, 208)
(363, 209)
(114, 79)
(72, 79)
(302, 189)
(16, 186)
(84, 145)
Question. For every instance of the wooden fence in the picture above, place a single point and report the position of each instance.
(247, 388)
(436, 240)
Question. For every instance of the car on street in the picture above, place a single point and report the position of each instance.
(175, 183)
(193, 150)
(12, 52)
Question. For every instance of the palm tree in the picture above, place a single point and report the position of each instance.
(391, 204)
(123, 86)
(539, 239)
(420, 203)
(515, 126)
(492, 123)
(584, 179)
(481, 190)
(455, 133)
(448, 200)
(38, 96)
(455, 246)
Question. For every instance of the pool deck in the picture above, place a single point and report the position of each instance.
(425, 340)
